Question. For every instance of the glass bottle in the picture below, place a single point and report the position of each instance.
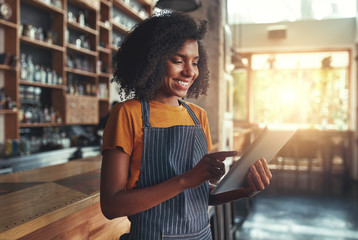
(37, 94)
(52, 115)
(29, 115)
(43, 75)
(2, 98)
(48, 76)
(76, 87)
(54, 78)
(30, 68)
(23, 63)
(81, 18)
(37, 75)
(47, 115)
(81, 88)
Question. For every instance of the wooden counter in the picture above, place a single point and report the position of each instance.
(56, 202)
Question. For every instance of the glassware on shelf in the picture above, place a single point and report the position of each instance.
(30, 69)
(23, 64)
(37, 74)
(47, 117)
(39, 35)
(48, 76)
(29, 114)
(2, 98)
(99, 66)
(81, 18)
(43, 75)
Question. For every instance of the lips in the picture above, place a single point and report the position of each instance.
(183, 84)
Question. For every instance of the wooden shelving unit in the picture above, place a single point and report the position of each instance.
(94, 50)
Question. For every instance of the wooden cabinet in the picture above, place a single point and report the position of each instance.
(71, 40)
(81, 110)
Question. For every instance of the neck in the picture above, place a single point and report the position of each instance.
(173, 101)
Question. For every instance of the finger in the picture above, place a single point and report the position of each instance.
(221, 155)
(256, 178)
(217, 163)
(261, 171)
(251, 182)
(214, 174)
(265, 166)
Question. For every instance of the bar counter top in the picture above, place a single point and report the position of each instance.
(33, 199)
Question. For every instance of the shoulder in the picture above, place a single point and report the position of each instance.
(199, 111)
(131, 105)
(195, 107)
(125, 111)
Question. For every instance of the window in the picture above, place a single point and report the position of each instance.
(310, 90)
(263, 11)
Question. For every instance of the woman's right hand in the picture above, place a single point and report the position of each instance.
(210, 167)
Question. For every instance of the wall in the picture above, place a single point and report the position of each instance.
(214, 12)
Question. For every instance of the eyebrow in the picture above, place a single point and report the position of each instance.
(183, 56)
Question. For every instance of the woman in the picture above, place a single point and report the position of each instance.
(156, 167)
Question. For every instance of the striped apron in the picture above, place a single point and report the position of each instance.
(168, 152)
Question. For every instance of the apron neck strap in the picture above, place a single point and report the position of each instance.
(145, 113)
(192, 114)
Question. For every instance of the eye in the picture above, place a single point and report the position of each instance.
(195, 64)
(176, 61)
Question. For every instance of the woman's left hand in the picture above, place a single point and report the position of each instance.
(258, 178)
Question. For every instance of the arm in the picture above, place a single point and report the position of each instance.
(116, 201)
(258, 178)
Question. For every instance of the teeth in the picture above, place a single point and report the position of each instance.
(184, 84)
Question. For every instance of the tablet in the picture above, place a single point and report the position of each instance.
(266, 145)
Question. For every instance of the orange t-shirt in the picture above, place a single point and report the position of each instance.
(124, 128)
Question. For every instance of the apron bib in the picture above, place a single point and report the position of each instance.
(168, 152)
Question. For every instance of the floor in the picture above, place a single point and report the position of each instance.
(305, 206)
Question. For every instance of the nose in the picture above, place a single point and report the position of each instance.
(188, 70)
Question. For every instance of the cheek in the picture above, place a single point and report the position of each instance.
(196, 73)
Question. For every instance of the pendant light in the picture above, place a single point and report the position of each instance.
(180, 5)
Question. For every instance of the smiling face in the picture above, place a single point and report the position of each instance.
(181, 72)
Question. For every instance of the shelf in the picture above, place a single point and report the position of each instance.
(105, 75)
(84, 29)
(80, 96)
(41, 44)
(147, 3)
(104, 50)
(44, 85)
(43, 6)
(127, 10)
(105, 2)
(8, 24)
(41, 124)
(102, 99)
(7, 67)
(103, 25)
(91, 4)
(80, 72)
(114, 48)
(8, 111)
(81, 50)
(119, 27)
